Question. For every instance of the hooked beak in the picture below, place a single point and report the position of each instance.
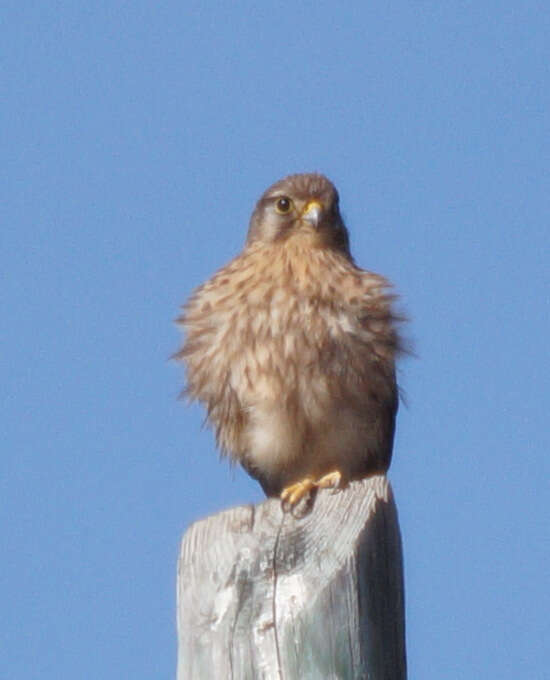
(312, 213)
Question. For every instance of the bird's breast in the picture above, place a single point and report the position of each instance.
(276, 349)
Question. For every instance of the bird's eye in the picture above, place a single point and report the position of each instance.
(283, 205)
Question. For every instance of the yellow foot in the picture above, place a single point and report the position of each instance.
(332, 480)
(294, 493)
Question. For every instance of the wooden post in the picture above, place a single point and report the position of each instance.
(262, 594)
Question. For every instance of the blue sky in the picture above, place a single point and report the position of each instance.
(136, 138)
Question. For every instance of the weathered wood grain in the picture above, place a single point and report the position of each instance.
(262, 594)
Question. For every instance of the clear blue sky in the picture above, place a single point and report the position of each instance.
(136, 137)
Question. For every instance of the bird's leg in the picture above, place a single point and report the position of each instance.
(294, 493)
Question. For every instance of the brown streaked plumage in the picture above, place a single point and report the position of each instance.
(291, 348)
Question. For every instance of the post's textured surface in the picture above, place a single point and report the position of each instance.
(265, 595)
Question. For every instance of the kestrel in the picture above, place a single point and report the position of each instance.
(291, 348)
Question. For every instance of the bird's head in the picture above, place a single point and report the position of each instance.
(300, 206)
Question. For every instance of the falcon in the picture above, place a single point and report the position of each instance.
(291, 348)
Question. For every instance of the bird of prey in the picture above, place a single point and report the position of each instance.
(291, 348)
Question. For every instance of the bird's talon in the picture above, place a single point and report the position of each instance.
(293, 494)
(332, 480)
